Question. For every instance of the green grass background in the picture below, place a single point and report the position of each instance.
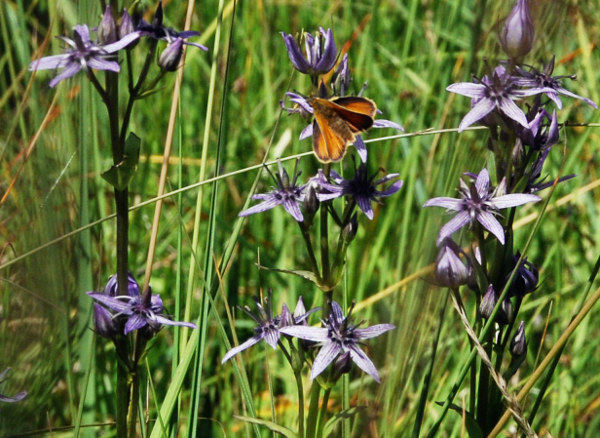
(408, 52)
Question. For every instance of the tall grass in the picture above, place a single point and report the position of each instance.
(54, 146)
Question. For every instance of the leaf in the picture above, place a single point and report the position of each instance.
(284, 431)
(121, 174)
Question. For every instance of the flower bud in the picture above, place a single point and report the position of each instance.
(170, 57)
(107, 29)
(518, 344)
(517, 35)
(526, 278)
(126, 27)
(343, 363)
(488, 303)
(450, 271)
(341, 77)
(311, 205)
(104, 323)
(350, 230)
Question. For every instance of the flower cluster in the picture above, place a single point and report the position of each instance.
(518, 103)
(338, 339)
(83, 53)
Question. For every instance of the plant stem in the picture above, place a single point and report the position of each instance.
(323, 412)
(313, 410)
(300, 388)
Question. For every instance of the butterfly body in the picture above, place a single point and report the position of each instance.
(337, 122)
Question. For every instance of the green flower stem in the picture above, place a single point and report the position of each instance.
(310, 250)
(300, 389)
(313, 410)
(326, 277)
(134, 91)
(122, 386)
(323, 412)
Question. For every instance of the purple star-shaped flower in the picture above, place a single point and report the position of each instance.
(361, 188)
(497, 92)
(339, 337)
(479, 203)
(287, 193)
(551, 86)
(83, 54)
(320, 58)
(158, 31)
(139, 310)
(268, 326)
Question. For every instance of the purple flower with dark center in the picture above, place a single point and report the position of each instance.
(545, 83)
(83, 54)
(339, 336)
(5, 398)
(268, 326)
(305, 109)
(158, 31)
(287, 193)
(140, 311)
(479, 203)
(361, 188)
(321, 52)
(497, 92)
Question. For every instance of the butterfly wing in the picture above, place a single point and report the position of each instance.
(357, 112)
(329, 143)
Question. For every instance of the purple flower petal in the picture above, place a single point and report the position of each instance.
(444, 202)
(296, 56)
(478, 112)
(514, 200)
(249, 343)
(364, 363)
(491, 224)
(374, 330)
(326, 355)
(382, 123)
(461, 219)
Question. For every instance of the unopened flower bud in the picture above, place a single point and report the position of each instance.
(518, 344)
(104, 323)
(517, 35)
(488, 303)
(170, 57)
(341, 77)
(526, 279)
(350, 230)
(107, 29)
(311, 205)
(343, 364)
(450, 271)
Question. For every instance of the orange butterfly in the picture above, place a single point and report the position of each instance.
(337, 121)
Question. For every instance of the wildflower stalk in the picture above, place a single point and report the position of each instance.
(323, 413)
(326, 272)
(313, 411)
